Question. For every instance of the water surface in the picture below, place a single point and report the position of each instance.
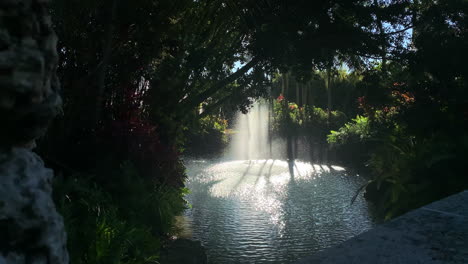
(269, 211)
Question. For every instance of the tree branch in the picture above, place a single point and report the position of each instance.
(209, 108)
(106, 55)
(398, 31)
(202, 96)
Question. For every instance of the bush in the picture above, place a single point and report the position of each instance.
(308, 121)
(407, 170)
(206, 136)
(410, 172)
(356, 131)
(121, 223)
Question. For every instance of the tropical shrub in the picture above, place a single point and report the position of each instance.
(411, 159)
(356, 131)
(353, 141)
(121, 223)
(409, 171)
(307, 121)
(206, 136)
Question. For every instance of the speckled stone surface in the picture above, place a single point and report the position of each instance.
(436, 233)
(31, 230)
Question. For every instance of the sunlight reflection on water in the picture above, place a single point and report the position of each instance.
(271, 211)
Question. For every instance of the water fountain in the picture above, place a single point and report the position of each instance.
(252, 138)
(251, 206)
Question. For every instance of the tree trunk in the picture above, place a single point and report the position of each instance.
(310, 94)
(106, 55)
(324, 146)
(414, 21)
(298, 96)
(304, 94)
(283, 83)
(382, 39)
(329, 93)
(270, 139)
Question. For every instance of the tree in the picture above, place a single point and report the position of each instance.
(416, 111)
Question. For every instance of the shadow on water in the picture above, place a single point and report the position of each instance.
(260, 172)
(268, 175)
(298, 171)
(261, 168)
(293, 165)
(271, 166)
(273, 210)
(327, 168)
(205, 186)
(320, 210)
(242, 178)
(291, 168)
(274, 215)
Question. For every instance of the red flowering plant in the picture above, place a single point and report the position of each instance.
(398, 99)
(130, 136)
(401, 95)
(365, 106)
(403, 98)
(280, 98)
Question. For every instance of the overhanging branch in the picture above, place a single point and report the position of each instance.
(202, 96)
(398, 31)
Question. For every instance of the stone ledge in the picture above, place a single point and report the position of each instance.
(435, 233)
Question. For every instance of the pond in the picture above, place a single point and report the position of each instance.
(271, 211)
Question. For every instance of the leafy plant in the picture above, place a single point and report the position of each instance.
(121, 223)
(356, 131)
(206, 136)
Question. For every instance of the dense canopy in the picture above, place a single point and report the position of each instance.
(377, 85)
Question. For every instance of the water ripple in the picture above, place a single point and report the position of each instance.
(257, 212)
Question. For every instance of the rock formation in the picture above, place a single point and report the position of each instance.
(31, 230)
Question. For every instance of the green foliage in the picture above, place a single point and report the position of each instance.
(124, 223)
(179, 54)
(207, 135)
(212, 123)
(353, 141)
(409, 169)
(420, 158)
(410, 172)
(309, 121)
(355, 131)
